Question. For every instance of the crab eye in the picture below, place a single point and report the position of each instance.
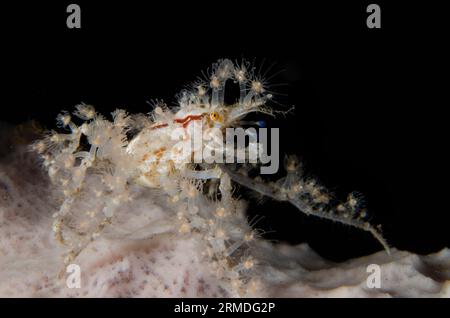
(214, 116)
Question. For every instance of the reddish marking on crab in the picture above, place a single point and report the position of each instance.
(186, 120)
(158, 153)
(158, 126)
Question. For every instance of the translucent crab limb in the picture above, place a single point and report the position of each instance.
(242, 92)
(204, 174)
(302, 205)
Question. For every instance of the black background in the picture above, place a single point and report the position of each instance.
(367, 113)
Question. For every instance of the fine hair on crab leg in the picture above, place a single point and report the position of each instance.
(303, 206)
